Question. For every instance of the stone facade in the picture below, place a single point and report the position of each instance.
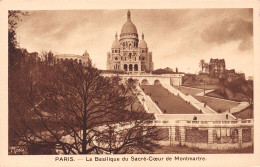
(232, 75)
(81, 59)
(128, 53)
(150, 79)
(217, 68)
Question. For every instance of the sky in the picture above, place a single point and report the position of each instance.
(176, 37)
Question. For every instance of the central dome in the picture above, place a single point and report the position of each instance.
(128, 27)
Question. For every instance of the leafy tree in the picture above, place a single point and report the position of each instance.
(238, 89)
(15, 57)
(202, 64)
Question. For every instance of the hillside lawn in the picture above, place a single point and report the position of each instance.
(247, 113)
(188, 90)
(216, 104)
(167, 101)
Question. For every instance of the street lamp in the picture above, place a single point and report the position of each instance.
(110, 131)
(204, 86)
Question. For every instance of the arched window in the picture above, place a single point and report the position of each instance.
(130, 55)
(157, 82)
(136, 67)
(145, 82)
(125, 67)
(130, 67)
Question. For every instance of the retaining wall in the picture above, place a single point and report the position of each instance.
(208, 134)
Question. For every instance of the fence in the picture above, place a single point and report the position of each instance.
(208, 134)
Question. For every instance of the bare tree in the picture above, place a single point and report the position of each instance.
(248, 91)
(69, 105)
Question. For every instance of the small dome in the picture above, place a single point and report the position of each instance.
(128, 27)
(86, 53)
(116, 43)
(142, 43)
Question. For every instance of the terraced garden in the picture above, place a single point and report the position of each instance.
(217, 104)
(187, 90)
(168, 102)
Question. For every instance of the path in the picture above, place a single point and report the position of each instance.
(238, 108)
(146, 101)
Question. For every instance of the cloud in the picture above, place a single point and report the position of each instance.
(228, 30)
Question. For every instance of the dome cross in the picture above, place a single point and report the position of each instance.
(128, 15)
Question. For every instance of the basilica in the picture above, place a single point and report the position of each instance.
(128, 53)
